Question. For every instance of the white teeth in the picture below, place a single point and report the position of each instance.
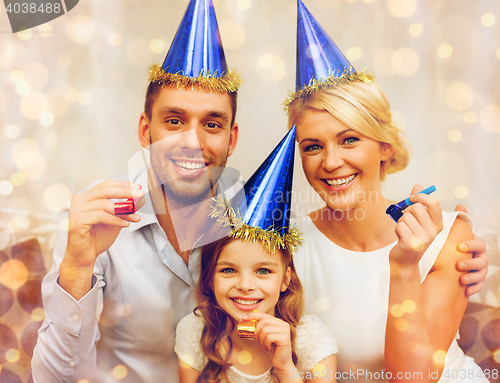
(190, 165)
(341, 181)
(245, 302)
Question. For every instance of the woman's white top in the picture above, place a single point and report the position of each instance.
(313, 343)
(349, 292)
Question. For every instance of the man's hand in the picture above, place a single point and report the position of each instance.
(477, 265)
(93, 227)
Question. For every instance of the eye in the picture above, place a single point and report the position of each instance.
(174, 121)
(228, 270)
(212, 125)
(263, 271)
(311, 148)
(350, 140)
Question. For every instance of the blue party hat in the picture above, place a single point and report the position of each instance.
(262, 211)
(196, 55)
(320, 63)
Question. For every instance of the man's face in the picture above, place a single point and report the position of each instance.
(190, 137)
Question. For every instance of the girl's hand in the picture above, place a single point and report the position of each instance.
(273, 334)
(417, 228)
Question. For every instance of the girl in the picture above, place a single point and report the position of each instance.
(249, 274)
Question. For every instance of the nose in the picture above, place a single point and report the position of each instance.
(332, 159)
(245, 283)
(189, 140)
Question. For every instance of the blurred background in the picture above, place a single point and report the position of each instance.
(72, 91)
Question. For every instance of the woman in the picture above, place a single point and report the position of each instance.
(389, 291)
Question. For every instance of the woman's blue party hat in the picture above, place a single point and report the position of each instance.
(196, 55)
(320, 63)
(262, 211)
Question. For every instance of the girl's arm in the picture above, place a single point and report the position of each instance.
(324, 371)
(187, 374)
(423, 318)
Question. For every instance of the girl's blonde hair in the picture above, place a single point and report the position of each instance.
(363, 107)
(219, 325)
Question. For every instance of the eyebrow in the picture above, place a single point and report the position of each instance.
(209, 113)
(227, 263)
(339, 134)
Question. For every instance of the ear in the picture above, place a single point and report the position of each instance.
(386, 151)
(144, 132)
(286, 279)
(233, 139)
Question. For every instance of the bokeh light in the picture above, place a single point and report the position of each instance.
(417, 244)
(120, 372)
(488, 19)
(13, 55)
(139, 54)
(124, 309)
(2, 102)
(401, 324)
(22, 88)
(445, 50)
(271, 67)
(83, 381)
(454, 135)
(46, 119)
(354, 54)
(19, 223)
(329, 3)
(13, 274)
(84, 98)
(25, 153)
(409, 306)
(415, 30)
(72, 94)
(322, 303)
(459, 96)
(490, 118)
(157, 46)
(64, 59)
(12, 355)
(496, 355)
(115, 39)
(244, 357)
(498, 53)
(382, 62)
(186, 361)
(470, 117)
(55, 196)
(439, 357)
(402, 8)
(58, 102)
(405, 62)
(244, 4)
(461, 191)
(368, 1)
(38, 314)
(12, 131)
(17, 179)
(33, 105)
(45, 31)
(80, 29)
(36, 75)
(25, 35)
(397, 310)
(233, 34)
(16, 76)
(6, 187)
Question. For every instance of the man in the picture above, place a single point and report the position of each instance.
(138, 282)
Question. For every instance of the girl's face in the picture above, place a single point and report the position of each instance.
(342, 165)
(247, 278)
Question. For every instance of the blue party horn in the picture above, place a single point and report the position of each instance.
(396, 210)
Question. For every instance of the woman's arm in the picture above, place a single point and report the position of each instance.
(187, 374)
(423, 318)
(324, 371)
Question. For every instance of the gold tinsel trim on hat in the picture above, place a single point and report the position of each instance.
(227, 83)
(270, 238)
(330, 81)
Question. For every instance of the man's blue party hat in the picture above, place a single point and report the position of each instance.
(196, 55)
(320, 63)
(261, 212)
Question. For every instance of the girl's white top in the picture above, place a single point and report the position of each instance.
(313, 343)
(349, 292)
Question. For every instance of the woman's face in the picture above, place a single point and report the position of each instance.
(247, 278)
(342, 165)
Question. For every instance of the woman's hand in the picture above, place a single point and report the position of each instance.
(273, 334)
(417, 228)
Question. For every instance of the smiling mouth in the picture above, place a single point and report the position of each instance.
(339, 182)
(190, 166)
(246, 302)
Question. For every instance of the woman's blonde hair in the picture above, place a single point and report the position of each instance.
(219, 325)
(363, 107)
